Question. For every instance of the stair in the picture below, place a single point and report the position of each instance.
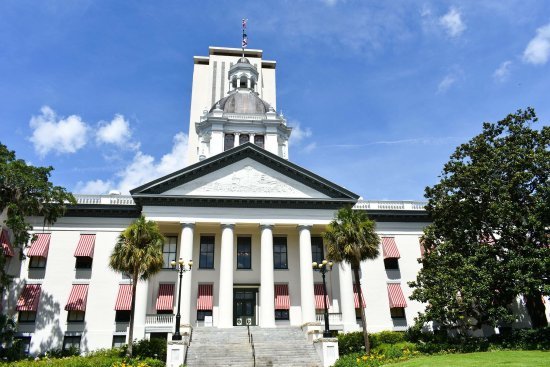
(213, 347)
(275, 347)
(283, 347)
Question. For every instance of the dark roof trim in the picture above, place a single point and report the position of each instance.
(398, 215)
(247, 150)
(103, 210)
(240, 202)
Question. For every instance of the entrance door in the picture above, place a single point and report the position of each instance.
(244, 306)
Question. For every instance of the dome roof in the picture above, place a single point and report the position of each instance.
(242, 102)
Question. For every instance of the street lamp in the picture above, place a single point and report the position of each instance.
(181, 267)
(324, 267)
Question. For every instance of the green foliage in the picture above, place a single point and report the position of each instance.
(100, 359)
(351, 238)
(154, 348)
(353, 342)
(26, 191)
(60, 352)
(138, 252)
(488, 242)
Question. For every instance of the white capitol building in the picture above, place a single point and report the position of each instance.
(249, 218)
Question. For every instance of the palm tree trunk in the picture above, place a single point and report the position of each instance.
(536, 309)
(132, 313)
(362, 306)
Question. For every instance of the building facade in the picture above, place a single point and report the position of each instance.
(249, 219)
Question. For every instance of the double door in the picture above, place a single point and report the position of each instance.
(244, 306)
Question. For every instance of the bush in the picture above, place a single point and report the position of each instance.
(94, 361)
(154, 348)
(353, 342)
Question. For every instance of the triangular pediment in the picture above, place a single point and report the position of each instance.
(246, 178)
(246, 175)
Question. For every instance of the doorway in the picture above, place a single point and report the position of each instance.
(244, 306)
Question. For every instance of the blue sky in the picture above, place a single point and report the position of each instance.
(379, 92)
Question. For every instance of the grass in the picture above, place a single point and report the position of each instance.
(497, 358)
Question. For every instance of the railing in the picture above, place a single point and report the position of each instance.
(104, 199)
(160, 319)
(236, 116)
(188, 345)
(333, 318)
(251, 342)
(390, 205)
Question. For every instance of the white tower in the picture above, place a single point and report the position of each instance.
(234, 96)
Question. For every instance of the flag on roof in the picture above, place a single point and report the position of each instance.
(245, 40)
(244, 23)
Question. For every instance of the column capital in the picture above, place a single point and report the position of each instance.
(227, 225)
(266, 226)
(187, 225)
(302, 227)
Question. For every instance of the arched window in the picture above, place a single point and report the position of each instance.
(229, 141)
(259, 140)
(242, 83)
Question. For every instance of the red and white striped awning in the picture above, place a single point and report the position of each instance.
(28, 301)
(205, 298)
(165, 298)
(395, 295)
(41, 246)
(356, 291)
(318, 291)
(124, 298)
(77, 298)
(389, 248)
(85, 247)
(282, 298)
(6, 244)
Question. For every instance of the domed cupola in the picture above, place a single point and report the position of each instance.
(243, 75)
(242, 100)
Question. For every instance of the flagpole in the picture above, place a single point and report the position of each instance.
(244, 40)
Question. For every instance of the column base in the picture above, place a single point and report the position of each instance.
(175, 353)
(327, 349)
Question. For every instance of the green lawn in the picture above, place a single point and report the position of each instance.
(501, 358)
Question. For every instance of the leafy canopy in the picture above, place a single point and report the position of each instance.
(488, 242)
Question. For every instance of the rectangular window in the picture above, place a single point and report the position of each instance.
(228, 142)
(37, 262)
(397, 312)
(317, 253)
(122, 316)
(119, 341)
(83, 262)
(259, 140)
(26, 316)
(76, 316)
(25, 344)
(206, 260)
(391, 264)
(169, 251)
(279, 253)
(244, 138)
(281, 315)
(71, 342)
(244, 253)
(202, 313)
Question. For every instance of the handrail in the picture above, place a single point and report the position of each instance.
(188, 345)
(251, 342)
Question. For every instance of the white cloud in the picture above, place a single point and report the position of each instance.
(538, 49)
(60, 135)
(503, 71)
(97, 187)
(446, 83)
(298, 134)
(310, 147)
(116, 132)
(143, 168)
(332, 2)
(452, 22)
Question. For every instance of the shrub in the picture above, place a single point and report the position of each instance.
(154, 348)
(351, 343)
(387, 337)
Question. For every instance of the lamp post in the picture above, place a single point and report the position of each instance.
(181, 267)
(324, 267)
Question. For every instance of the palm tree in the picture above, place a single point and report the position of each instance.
(351, 238)
(138, 253)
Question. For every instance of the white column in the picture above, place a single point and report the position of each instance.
(251, 138)
(186, 253)
(237, 139)
(267, 294)
(142, 300)
(347, 302)
(306, 275)
(225, 294)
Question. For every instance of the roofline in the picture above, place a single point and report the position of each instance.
(266, 154)
(230, 51)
